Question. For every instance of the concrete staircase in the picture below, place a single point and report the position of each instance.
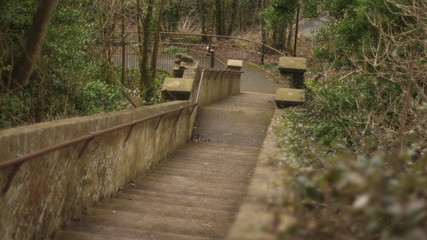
(196, 192)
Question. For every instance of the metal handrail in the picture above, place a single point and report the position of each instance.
(243, 50)
(229, 37)
(218, 36)
(88, 137)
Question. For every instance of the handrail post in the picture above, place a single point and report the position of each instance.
(192, 109)
(158, 122)
(179, 115)
(85, 145)
(129, 132)
(10, 179)
(212, 54)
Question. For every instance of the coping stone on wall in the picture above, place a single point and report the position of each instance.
(262, 216)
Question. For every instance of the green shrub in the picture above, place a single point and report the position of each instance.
(99, 97)
(157, 85)
(340, 194)
(195, 39)
(360, 198)
(272, 68)
(14, 110)
(171, 50)
(353, 187)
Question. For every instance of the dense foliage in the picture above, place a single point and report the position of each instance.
(279, 18)
(66, 73)
(75, 74)
(357, 153)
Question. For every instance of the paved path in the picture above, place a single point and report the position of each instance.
(307, 27)
(256, 80)
(240, 119)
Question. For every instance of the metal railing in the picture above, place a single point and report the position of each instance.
(211, 41)
(202, 47)
(166, 56)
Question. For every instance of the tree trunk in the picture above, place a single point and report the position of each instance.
(218, 17)
(123, 44)
(108, 48)
(263, 30)
(157, 40)
(39, 27)
(145, 75)
(233, 17)
(203, 21)
(140, 43)
(107, 22)
(224, 16)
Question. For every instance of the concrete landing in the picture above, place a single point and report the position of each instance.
(196, 192)
(256, 80)
(242, 119)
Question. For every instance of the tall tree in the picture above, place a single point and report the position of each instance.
(279, 17)
(123, 41)
(201, 7)
(108, 21)
(38, 30)
(157, 39)
(144, 33)
(219, 27)
(234, 10)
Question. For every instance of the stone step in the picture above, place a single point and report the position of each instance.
(203, 175)
(152, 223)
(201, 153)
(180, 199)
(205, 166)
(223, 184)
(69, 235)
(248, 97)
(190, 189)
(212, 162)
(165, 169)
(232, 105)
(81, 231)
(166, 209)
(219, 147)
(215, 147)
(198, 158)
(223, 154)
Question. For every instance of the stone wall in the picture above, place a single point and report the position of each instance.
(48, 191)
(215, 84)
